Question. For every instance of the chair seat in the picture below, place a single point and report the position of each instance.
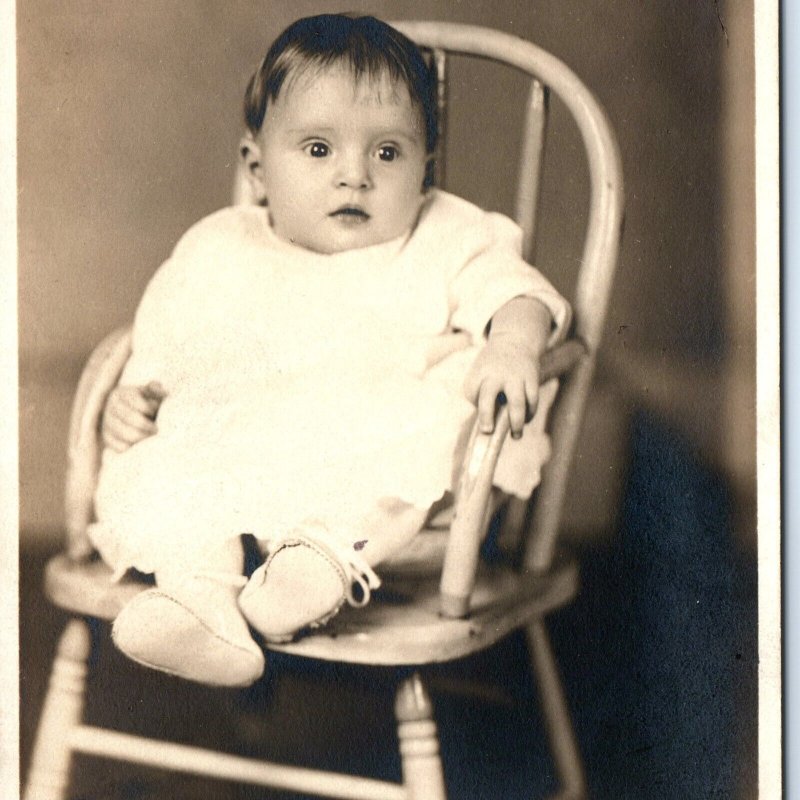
(401, 625)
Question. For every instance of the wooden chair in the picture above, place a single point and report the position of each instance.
(444, 604)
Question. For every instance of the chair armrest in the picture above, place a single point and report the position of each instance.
(560, 359)
(99, 377)
(469, 521)
(474, 489)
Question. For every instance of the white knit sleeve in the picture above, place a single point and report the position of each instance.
(495, 273)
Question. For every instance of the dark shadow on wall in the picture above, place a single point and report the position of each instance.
(665, 674)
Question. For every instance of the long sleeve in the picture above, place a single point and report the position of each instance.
(497, 274)
(484, 269)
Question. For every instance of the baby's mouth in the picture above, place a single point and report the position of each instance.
(350, 214)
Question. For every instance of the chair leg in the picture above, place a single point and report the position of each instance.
(423, 777)
(49, 774)
(563, 744)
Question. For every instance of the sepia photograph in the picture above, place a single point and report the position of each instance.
(397, 400)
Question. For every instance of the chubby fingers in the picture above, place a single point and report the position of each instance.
(488, 393)
(128, 418)
(117, 435)
(154, 391)
(517, 396)
(521, 397)
(493, 393)
(531, 382)
(139, 405)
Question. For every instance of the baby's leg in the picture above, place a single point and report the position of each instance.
(384, 530)
(190, 624)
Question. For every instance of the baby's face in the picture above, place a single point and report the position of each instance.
(341, 163)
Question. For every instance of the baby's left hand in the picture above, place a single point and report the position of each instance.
(507, 365)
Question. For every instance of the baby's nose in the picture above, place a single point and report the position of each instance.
(354, 173)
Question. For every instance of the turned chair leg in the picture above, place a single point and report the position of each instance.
(48, 778)
(423, 777)
(563, 744)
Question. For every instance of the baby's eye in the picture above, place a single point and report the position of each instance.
(387, 152)
(317, 149)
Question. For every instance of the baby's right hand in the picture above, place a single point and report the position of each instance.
(129, 415)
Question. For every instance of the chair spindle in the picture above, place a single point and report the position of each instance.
(440, 62)
(531, 157)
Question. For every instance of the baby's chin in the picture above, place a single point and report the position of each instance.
(342, 241)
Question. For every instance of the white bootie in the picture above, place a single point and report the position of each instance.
(191, 628)
(303, 584)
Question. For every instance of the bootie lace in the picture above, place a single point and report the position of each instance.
(358, 573)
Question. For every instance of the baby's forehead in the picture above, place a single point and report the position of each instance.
(369, 87)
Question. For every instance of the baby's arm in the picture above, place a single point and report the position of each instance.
(129, 415)
(509, 363)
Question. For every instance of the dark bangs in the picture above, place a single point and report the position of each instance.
(367, 46)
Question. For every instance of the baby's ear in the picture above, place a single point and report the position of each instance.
(250, 188)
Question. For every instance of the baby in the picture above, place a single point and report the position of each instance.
(315, 361)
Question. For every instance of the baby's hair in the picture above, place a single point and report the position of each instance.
(365, 44)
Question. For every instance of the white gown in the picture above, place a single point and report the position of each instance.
(306, 387)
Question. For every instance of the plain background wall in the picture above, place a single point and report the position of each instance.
(129, 118)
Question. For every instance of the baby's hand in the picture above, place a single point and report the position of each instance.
(510, 366)
(129, 415)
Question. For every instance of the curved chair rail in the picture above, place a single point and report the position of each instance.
(99, 377)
